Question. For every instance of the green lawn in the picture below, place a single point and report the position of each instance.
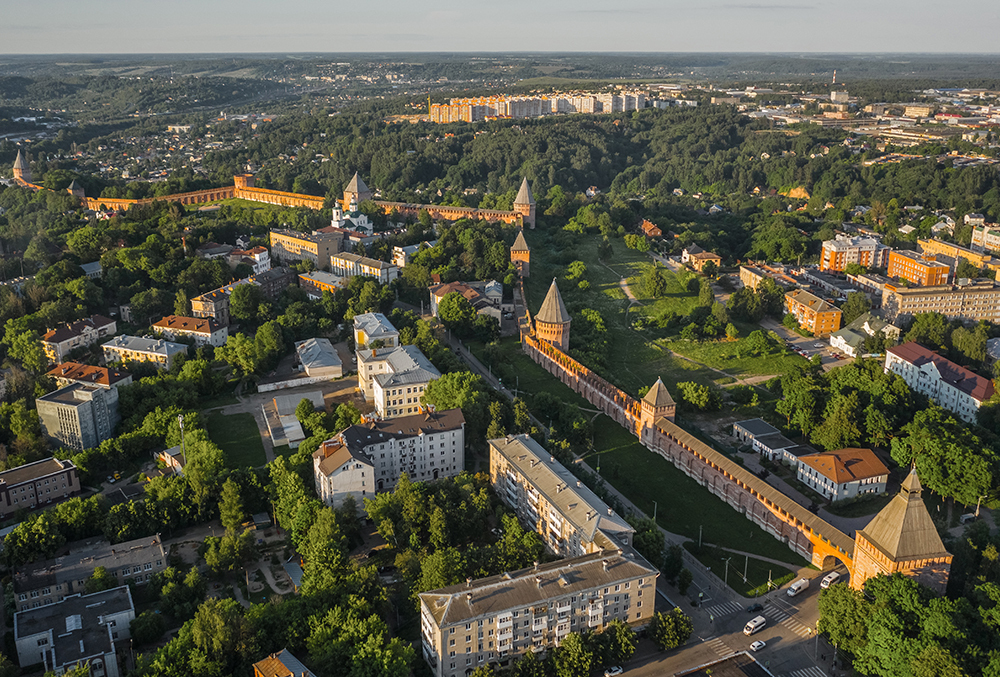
(758, 572)
(238, 437)
(682, 505)
(734, 357)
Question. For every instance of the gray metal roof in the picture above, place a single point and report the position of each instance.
(317, 353)
(756, 427)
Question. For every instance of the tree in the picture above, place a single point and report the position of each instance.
(231, 507)
(181, 304)
(572, 658)
(244, 302)
(930, 329)
(100, 580)
(698, 397)
(576, 270)
(147, 628)
(684, 580)
(669, 630)
(843, 617)
(26, 347)
(618, 642)
(653, 281)
(732, 333)
(457, 314)
(857, 304)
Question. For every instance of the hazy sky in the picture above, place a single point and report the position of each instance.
(144, 26)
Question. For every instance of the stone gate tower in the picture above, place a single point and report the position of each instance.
(22, 171)
(655, 405)
(552, 320)
(524, 204)
(520, 255)
(903, 538)
(356, 192)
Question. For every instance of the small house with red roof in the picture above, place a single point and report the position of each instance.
(844, 473)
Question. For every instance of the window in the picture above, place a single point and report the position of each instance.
(43, 641)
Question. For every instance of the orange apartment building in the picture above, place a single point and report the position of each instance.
(922, 269)
(813, 313)
(843, 250)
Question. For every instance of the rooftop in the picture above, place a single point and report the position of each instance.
(757, 426)
(658, 395)
(846, 465)
(318, 237)
(553, 310)
(520, 245)
(74, 371)
(65, 332)
(524, 196)
(282, 664)
(811, 301)
(407, 364)
(81, 562)
(317, 353)
(197, 325)
(73, 394)
(32, 471)
(973, 385)
(362, 260)
(141, 344)
(374, 325)
(903, 530)
(523, 588)
(574, 500)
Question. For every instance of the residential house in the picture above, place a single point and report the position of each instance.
(92, 270)
(204, 330)
(844, 473)
(35, 484)
(214, 305)
(82, 630)
(73, 372)
(571, 519)
(395, 378)
(213, 250)
(281, 664)
(370, 457)
(158, 352)
(496, 620)
(66, 337)
(78, 416)
(485, 297)
(951, 386)
(650, 229)
(698, 258)
(257, 258)
(813, 313)
(851, 339)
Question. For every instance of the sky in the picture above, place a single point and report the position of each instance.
(289, 26)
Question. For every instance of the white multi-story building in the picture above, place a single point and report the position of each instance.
(571, 519)
(204, 330)
(127, 349)
(66, 337)
(951, 387)
(842, 474)
(395, 378)
(495, 620)
(349, 265)
(368, 458)
(370, 327)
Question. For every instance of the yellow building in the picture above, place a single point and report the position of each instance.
(813, 313)
(291, 245)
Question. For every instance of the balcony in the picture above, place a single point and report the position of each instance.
(505, 636)
(503, 623)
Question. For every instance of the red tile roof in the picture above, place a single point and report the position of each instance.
(975, 386)
(200, 325)
(64, 332)
(846, 465)
(85, 373)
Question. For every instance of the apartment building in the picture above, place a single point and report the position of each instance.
(571, 519)
(291, 245)
(66, 337)
(39, 483)
(204, 330)
(952, 253)
(140, 349)
(951, 386)
(73, 372)
(258, 258)
(842, 474)
(213, 305)
(395, 378)
(52, 580)
(813, 313)
(78, 416)
(369, 457)
(922, 269)
(317, 282)
(966, 301)
(81, 630)
(281, 664)
(495, 620)
(349, 265)
(838, 253)
(371, 327)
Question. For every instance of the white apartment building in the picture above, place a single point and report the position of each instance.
(66, 337)
(346, 264)
(369, 457)
(842, 474)
(951, 387)
(495, 620)
(127, 349)
(571, 519)
(395, 378)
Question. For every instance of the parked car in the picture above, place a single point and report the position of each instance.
(758, 645)
(755, 608)
(111, 480)
(613, 671)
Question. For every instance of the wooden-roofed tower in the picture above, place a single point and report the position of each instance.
(552, 321)
(524, 204)
(520, 255)
(22, 170)
(356, 192)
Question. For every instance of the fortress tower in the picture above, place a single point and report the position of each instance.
(243, 181)
(552, 320)
(356, 191)
(22, 171)
(524, 203)
(902, 538)
(520, 255)
(655, 405)
(76, 190)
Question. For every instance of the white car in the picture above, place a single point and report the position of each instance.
(758, 645)
(614, 671)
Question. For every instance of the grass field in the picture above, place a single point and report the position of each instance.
(758, 572)
(238, 437)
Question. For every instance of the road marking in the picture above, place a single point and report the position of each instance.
(718, 646)
(724, 609)
(798, 628)
(808, 672)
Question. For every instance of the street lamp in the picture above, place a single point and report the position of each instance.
(726, 577)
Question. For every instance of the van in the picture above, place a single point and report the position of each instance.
(798, 586)
(754, 625)
(829, 580)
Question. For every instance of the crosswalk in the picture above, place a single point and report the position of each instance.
(808, 672)
(776, 614)
(718, 646)
(724, 609)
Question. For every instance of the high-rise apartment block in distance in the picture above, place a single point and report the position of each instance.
(843, 250)
(476, 109)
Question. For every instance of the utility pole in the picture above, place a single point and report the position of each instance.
(978, 502)
(746, 565)
(726, 575)
(180, 423)
(699, 536)
(654, 511)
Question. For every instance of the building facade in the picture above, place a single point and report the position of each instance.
(86, 374)
(213, 305)
(395, 379)
(50, 581)
(496, 620)
(371, 327)
(951, 386)
(35, 484)
(291, 245)
(158, 352)
(66, 337)
(520, 255)
(571, 519)
(842, 474)
(317, 282)
(81, 630)
(370, 457)
(79, 416)
(923, 270)
(969, 302)
(813, 313)
(204, 330)
(842, 251)
(349, 265)
(952, 252)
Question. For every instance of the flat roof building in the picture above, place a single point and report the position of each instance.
(79, 416)
(292, 245)
(921, 269)
(844, 250)
(35, 484)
